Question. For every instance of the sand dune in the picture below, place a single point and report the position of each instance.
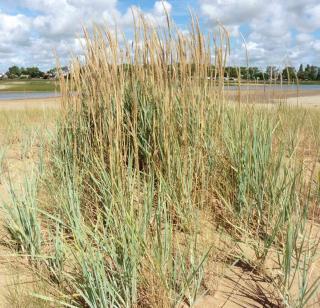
(308, 101)
(41, 103)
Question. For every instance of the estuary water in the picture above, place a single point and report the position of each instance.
(4, 95)
(7, 95)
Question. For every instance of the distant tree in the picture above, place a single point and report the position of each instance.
(260, 75)
(52, 71)
(301, 72)
(34, 72)
(244, 72)
(272, 73)
(255, 73)
(313, 72)
(307, 72)
(232, 72)
(289, 73)
(13, 71)
(211, 70)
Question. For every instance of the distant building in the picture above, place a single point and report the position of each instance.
(50, 76)
(23, 76)
(65, 71)
(55, 74)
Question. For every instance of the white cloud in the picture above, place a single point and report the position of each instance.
(14, 38)
(58, 25)
(269, 27)
(161, 7)
(230, 12)
(316, 45)
(14, 30)
(276, 31)
(304, 38)
(157, 16)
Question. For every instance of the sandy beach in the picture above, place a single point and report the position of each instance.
(305, 98)
(20, 104)
(307, 101)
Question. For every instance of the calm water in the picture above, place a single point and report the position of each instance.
(30, 95)
(26, 95)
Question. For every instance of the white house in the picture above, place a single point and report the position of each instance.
(3, 76)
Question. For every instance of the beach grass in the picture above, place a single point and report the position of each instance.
(155, 190)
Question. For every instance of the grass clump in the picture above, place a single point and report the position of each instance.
(22, 221)
(148, 154)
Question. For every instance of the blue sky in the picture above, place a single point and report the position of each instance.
(276, 32)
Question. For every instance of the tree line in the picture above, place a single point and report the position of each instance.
(310, 72)
(18, 72)
(31, 72)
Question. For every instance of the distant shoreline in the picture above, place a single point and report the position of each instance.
(305, 98)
